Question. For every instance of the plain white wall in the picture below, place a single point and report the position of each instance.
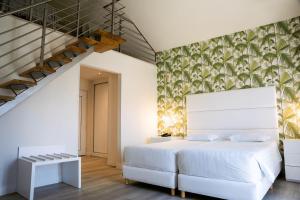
(49, 117)
(138, 94)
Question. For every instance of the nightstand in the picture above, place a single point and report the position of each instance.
(292, 159)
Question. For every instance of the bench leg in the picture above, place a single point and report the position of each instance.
(26, 179)
(126, 181)
(71, 173)
(182, 194)
(172, 192)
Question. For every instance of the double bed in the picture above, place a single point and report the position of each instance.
(225, 168)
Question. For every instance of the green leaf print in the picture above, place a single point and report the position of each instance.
(228, 40)
(290, 93)
(287, 60)
(284, 79)
(229, 85)
(196, 83)
(251, 35)
(196, 68)
(281, 45)
(178, 83)
(266, 55)
(267, 38)
(227, 56)
(254, 49)
(270, 57)
(169, 92)
(257, 79)
(283, 27)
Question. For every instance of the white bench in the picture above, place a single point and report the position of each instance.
(45, 165)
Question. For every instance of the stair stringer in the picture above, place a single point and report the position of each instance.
(42, 83)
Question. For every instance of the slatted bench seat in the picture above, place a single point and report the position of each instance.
(39, 166)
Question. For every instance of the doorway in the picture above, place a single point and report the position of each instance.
(102, 115)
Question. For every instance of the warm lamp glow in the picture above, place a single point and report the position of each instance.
(296, 108)
(168, 120)
(298, 113)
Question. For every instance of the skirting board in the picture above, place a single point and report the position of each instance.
(7, 189)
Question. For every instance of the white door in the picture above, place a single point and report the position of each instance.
(100, 119)
(82, 122)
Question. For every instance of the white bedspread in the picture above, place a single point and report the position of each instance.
(234, 161)
(156, 156)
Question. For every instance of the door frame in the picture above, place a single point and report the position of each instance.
(82, 137)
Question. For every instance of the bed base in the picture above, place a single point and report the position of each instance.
(222, 188)
(154, 177)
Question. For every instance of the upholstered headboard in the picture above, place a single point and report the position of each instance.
(242, 111)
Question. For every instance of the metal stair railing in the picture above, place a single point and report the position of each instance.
(47, 32)
(136, 43)
(54, 20)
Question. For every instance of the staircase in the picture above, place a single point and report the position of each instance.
(76, 24)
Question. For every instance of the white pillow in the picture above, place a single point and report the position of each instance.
(250, 138)
(202, 137)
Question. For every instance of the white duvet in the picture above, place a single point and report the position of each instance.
(233, 161)
(156, 156)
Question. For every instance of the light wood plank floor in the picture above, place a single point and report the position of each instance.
(100, 181)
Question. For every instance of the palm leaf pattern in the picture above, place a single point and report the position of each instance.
(266, 55)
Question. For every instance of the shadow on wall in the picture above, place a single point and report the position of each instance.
(11, 171)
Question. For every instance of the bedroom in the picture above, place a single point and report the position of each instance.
(222, 78)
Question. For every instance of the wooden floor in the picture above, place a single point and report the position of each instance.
(100, 181)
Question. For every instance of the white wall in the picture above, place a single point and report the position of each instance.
(49, 117)
(138, 94)
(172, 23)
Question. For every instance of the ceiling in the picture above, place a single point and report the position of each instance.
(172, 23)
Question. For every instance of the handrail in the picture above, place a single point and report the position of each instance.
(110, 4)
(131, 22)
(69, 19)
(25, 8)
(128, 20)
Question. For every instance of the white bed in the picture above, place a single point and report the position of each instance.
(231, 170)
(233, 161)
(154, 163)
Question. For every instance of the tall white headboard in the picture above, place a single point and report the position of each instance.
(242, 111)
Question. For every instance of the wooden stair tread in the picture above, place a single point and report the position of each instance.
(110, 36)
(59, 57)
(75, 49)
(89, 41)
(107, 41)
(17, 82)
(6, 98)
(42, 69)
(104, 47)
(106, 38)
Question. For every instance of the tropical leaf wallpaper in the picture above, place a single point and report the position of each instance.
(264, 56)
